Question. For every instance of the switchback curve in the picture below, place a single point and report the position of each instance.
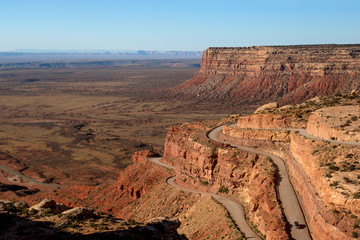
(235, 210)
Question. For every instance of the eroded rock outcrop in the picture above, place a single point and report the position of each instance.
(202, 164)
(19, 222)
(340, 123)
(323, 173)
(278, 73)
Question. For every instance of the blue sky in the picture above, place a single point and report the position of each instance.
(174, 24)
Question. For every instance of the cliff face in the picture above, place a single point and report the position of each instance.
(206, 166)
(285, 73)
(324, 174)
(344, 125)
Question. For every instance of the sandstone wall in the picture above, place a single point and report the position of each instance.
(307, 176)
(317, 197)
(258, 134)
(205, 167)
(338, 125)
(282, 73)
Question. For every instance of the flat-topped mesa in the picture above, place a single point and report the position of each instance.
(282, 73)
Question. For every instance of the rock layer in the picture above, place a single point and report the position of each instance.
(343, 126)
(282, 73)
(327, 205)
(203, 165)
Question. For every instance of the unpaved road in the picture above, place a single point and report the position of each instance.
(29, 178)
(287, 196)
(235, 210)
(304, 133)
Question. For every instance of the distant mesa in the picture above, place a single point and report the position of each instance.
(286, 74)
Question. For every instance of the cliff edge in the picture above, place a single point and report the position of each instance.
(287, 74)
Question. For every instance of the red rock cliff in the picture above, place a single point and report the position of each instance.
(247, 178)
(285, 73)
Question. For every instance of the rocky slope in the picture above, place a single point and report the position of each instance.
(51, 220)
(141, 194)
(325, 174)
(344, 125)
(210, 167)
(286, 74)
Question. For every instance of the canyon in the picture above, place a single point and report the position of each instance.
(323, 171)
(311, 145)
(286, 74)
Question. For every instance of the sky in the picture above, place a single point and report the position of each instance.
(187, 25)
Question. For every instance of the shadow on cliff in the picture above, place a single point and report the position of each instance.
(16, 228)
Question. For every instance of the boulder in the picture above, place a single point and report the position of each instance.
(286, 107)
(269, 106)
(78, 213)
(44, 204)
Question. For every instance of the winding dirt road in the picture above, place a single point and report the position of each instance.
(235, 210)
(304, 133)
(29, 178)
(287, 196)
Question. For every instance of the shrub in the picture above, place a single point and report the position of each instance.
(47, 212)
(334, 183)
(315, 151)
(347, 180)
(354, 118)
(131, 222)
(346, 124)
(333, 167)
(354, 234)
(356, 195)
(223, 189)
(328, 175)
(336, 211)
(204, 183)
(25, 211)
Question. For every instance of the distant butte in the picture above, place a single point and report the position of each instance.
(287, 74)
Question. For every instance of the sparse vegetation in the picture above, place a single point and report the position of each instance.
(334, 184)
(131, 222)
(356, 195)
(314, 152)
(354, 118)
(105, 106)
(348, 180)
(223, 189)
(205, 183)
(334, 168)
